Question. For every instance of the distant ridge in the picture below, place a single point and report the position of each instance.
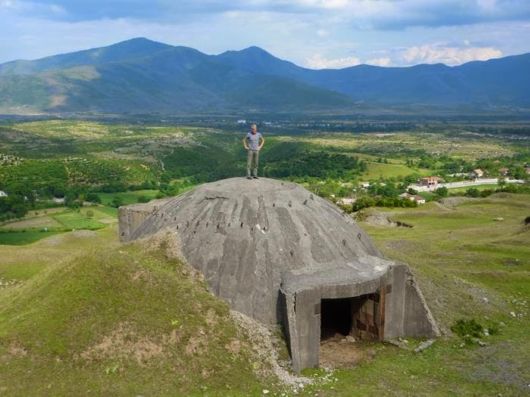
(140, 75)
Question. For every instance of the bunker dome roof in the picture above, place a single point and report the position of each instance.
(252, 237)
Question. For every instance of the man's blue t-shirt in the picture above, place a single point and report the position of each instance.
(253, 141)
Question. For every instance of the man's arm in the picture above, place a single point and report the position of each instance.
(262, 142)
(245, 143)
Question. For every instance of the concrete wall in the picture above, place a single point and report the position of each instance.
(131, 217)
(406, 313)
(303, 318)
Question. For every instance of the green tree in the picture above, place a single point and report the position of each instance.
(472, 192)
(116, 202)
(442, 191)
(143, 199)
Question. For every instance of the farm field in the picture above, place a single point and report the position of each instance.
(50, 222)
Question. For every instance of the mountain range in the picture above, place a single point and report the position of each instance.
(144, 76)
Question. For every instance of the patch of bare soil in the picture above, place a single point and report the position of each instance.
(379, 219)
(124, 343)
(343, 352)
(376, 218)
(107, 221)
(400, 245)
(452, 202)
(83, 233)
(16, 350)
(35, 223)
(53, 240)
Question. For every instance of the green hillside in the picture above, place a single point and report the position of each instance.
(82, 314)
(119, 322)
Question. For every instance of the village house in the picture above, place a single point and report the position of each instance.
(413, 197)
(58, 200)
(504, 171)
(3, 194)
(346, 201)
(477, 173)
(430, 181)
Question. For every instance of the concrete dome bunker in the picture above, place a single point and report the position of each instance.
(278, 253)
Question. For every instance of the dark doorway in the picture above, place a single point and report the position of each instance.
(336, 317)
(360, 316)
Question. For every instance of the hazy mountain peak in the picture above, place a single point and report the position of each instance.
(254, 50)
(137, 42)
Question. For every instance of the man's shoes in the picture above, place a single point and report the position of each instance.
(249, 177)
(255, 177)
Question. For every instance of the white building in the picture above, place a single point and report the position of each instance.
(478, 173)
(413, 197)
(346, 201)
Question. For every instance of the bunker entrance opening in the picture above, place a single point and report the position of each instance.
(336, 317)
(359, 316)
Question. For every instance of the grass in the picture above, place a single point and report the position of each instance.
(405, 144)
(23, 271)
(35, 227)
(90, 316)
(456, 190)
(73, 297)
(390, 170)
(23, 237)
(77, 220)
(460, 256)
(114, 323)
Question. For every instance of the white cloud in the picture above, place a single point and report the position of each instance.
(383, 61)
(317, 61)
(433, 53)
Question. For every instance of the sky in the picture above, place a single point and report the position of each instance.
(312, 33)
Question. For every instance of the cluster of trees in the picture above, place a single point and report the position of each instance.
(503, 188)
(56, 177)
(13, 206)
(381, 201)
(317, 165)
(444, 165)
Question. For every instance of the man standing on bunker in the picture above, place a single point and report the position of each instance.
(253, 143)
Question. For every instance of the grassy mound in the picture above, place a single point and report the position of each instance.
(120, 322)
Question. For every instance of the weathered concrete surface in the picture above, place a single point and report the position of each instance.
(273, 250)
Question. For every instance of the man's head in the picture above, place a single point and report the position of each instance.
(253, 128)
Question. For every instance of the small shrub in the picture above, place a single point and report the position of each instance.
(90, 214)
(472, 331)
(117, 202)
(442, 191)
(467, 328)
(143, 199)
(472, 192)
